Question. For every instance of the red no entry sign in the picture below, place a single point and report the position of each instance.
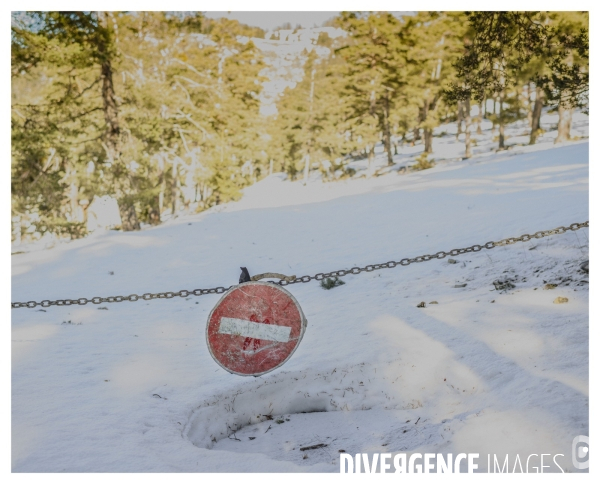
(254, 328)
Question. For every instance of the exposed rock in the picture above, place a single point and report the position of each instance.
(500, 285)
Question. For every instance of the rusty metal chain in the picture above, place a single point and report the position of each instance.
(111, 299)
(320, 276)
(438, 255)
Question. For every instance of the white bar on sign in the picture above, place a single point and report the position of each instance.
(250, 329)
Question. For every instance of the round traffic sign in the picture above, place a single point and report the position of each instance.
(254, 328)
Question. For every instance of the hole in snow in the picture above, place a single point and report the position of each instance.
(252, 404)
(295, 405)
(368, 407)
(317, 438)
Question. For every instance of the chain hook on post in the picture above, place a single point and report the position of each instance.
(245, 276)
(273, 275)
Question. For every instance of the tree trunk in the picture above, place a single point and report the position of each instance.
(480, 118)
(111, 113)
(112, 137)
(459, 119)
(417, 130)
(484, 106)
(311, 97)
(501, 145)
(528, 104)
(74, 210)
(536, 115)
(129, 220)
(565, 115)
(467, 113)
(371, 158)
(427, 131)
(416, 135)
(205, 194)
(162, 181)
(175, 187)
(387, 139)
(501, 135)
(153, 213)
(161, 194)
(307, 167)
(428, 140)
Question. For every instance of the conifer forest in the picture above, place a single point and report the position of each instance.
(172, 112)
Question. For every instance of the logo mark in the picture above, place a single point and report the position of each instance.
(580, 452)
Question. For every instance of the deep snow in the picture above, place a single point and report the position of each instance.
(132, 386)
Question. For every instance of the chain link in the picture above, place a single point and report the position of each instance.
(112, 299)
(439, 255)
(319, 277)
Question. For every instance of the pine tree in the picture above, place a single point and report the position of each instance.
(310, 125)
(504, 42)
(566, 79)
(56, 124)
(162, 109)
(436, 40)
(375, 73)
(89, 38)
(165, 107)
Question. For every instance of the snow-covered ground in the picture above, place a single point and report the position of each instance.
(132, 386)
(446, 147)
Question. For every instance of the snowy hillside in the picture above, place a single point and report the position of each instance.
(285, 53)
(132, 386)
